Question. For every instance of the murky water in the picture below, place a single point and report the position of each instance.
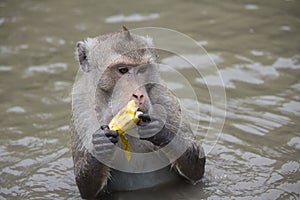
(255, 44)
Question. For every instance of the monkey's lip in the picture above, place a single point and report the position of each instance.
(141, 109)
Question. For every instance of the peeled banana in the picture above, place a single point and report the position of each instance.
(126, 119)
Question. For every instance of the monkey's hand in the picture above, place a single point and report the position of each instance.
(149, 126)
(103, 140)
(153, 129)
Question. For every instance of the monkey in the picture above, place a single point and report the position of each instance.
(116, 68)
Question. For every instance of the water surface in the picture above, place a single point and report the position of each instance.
(255, 45)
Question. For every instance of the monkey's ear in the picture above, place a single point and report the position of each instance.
(82, 56)
(124, 28)
(127, 33)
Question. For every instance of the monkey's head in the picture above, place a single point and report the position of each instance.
(125, 66)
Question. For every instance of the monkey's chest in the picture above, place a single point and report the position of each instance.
(123, 181)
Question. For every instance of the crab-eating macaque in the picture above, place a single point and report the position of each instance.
(116, 68)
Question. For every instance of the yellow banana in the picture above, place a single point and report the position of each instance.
(126, 119)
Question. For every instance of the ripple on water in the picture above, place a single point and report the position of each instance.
(81, 27)
(254, 73)
(251, 7)
(266, 100)
(2, 20)
(16, 109)
(54, 40)
(291, 189)
(61, 85)
(259, 123)
(5, 68)
(296, 86)
(25, 162)
(254, 120)
(52, 172)
(290, 167)
(285, 28)
(131, 18)
(257, 160)
(291, 107)
(48, 69)
(191, 60)
(7, 50)
(294, 142)
(257, 53)
(31, 142)
(174, 85)
(202, 42)
(289, 63)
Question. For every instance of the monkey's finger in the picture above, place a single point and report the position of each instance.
(104, 146)
(144, 117)
(96, 136)
(100, 140)
(142, 123)
(114, 140)
(103, 149)
(109, 133)
(98, 132)
(104, 127)
(104, 140)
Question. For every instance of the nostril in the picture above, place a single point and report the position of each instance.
(141, 96)
(135, 96)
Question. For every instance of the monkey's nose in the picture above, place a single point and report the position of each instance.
(139, 99)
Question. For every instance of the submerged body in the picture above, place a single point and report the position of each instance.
(118, 68)
(123, 181)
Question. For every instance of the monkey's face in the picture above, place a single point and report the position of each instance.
(122, 64)
(130, 83)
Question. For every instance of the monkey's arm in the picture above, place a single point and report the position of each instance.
(191, 164)
(90, 174)
(191, 161)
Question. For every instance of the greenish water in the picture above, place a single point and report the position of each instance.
(255, 45)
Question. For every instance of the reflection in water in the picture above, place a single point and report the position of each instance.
(255, 45)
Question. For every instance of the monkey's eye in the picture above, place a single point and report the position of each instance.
(123, 69)
(142, 70)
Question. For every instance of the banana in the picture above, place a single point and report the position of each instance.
(126, 119)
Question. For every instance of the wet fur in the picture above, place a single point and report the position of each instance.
(103, 52)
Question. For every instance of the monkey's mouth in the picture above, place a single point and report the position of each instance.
(141, 107)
